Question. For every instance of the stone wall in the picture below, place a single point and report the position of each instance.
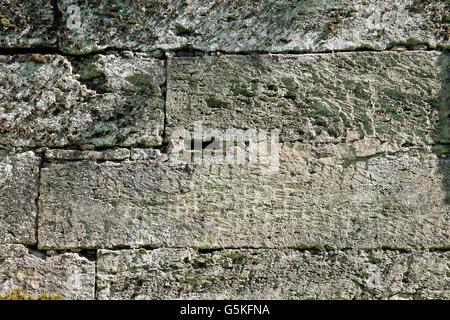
(93, 94)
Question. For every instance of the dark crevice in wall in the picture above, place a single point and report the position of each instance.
(78, 147)
(95, 275)
(201, 146)
(143, 248)
(156, 53)
(87, 159)
(96, 83)
(440, 249)
(35, 50)
(191, 51)
(164, 147)
(38, 197)
(57, 20)
(317, 248)
(208, 250)
(35, 251)
(188, 51)
(89, 254)
(389, 248)
(214, 143)
(92, 253)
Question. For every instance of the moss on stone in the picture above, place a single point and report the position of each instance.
(288, 82)
(214, 102)
(17, 294)
(242, 91)
(235, 257)
(290, 95)
(272, 86)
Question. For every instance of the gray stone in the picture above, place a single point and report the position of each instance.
(243, 26)
(443, 134)
(370, 199)
(392, 96)
(272, 274)
(19, 178)
(104, 100)
(98, 198)
(68, 274)
(27, 24)
(71, 155)
(144, 154)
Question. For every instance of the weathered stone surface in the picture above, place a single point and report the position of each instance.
(109, 204)
(241, 26)
(145, 154)
(101, 197)
(360, 202)
(68, 274)
(394, 97)
(443, 135)
(70, 155)
(48, 101)
(26, 24)
(272, 274)
(19, 175)
(316, 199)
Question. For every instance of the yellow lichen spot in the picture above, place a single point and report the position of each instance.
(4, 21)
(17, 294)
(46, 296)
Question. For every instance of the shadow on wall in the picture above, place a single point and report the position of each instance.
(442, 140)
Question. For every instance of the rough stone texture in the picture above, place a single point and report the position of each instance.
(47, 101)
(272, 274)
(356, 205)
(443, 135)
(27, 24)
(109, 204)
(68, 274)
(241, 26)
(19, 178)
(145, 154)
(70, 155)
(366, 200)
(391, 96)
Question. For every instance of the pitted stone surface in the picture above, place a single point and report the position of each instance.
(27, 24)
(68, 274)
(272, 274)
(105, 100)
(97, 200)
(19, 178)
(71, 155)
(391, 96)
(109, 204)
(243, 26)
(386, 200)
(443, 134)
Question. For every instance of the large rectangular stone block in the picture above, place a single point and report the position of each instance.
(27, 24)
(392, 96)
(271, 274)
(244, 26)
(66, 274)
(19, 181)
(341, 196)
(104, 100)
